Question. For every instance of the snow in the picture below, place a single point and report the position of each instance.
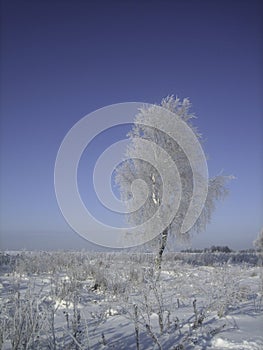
(228, 312)
(221, 344)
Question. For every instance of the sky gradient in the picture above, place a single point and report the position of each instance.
(64, 59)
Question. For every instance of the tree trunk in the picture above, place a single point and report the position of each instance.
(159, 257)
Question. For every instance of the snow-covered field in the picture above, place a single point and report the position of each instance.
(80, 300)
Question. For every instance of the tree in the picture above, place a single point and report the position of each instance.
(258, 243)
(168, 162)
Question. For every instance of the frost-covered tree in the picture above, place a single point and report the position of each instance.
(258, 243)
(159, 160)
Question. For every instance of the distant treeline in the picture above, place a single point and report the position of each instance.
(30, 262)
(216, 249)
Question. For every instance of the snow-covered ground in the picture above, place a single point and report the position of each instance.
(78, 300)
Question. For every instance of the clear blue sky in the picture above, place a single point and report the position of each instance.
(64, 59)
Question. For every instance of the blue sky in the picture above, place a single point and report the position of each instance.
(64, 59)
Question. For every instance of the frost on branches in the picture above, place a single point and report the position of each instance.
(258, 243)
(165, 172)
